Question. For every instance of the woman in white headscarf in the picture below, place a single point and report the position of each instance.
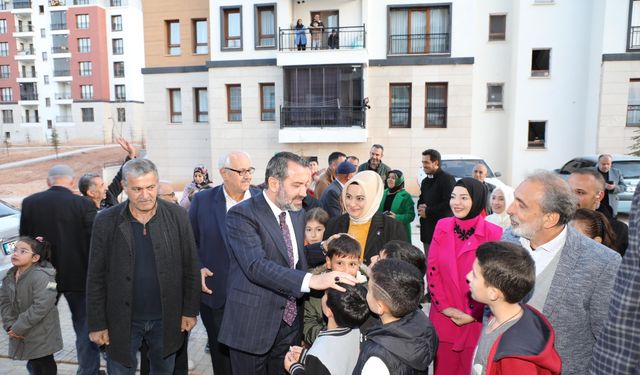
(501, 199)
(361, 198)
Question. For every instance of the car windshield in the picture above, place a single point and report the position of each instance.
(6, 210)
(629, 169)
(464, 168)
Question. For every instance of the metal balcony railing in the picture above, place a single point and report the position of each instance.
(408, 44)
(60, 49)
(634, 37)
(61, 72)
(62, 96)
(347, 37)
(28, 96)
(64, 118)
(118, 3)
(17, 4)
(30, 119)
(322, 117)
(27, 52)
(24, 28)
(28, 74)
(59, 26)
(83, 2)
(633, 115)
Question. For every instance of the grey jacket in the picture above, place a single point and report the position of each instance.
(578, 298)
(109, 287)
(618, 180)
(28, 307)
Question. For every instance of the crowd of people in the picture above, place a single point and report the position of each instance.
(313, 271)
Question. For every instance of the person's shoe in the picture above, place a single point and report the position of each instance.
(207, 349)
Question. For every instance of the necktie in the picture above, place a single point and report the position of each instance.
(290, 309)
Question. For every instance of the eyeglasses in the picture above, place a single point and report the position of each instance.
(23, 252)
(243, 173)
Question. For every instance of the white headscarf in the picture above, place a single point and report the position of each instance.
(373, 188)
(502, 219)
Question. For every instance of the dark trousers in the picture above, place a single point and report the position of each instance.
(272, 362)
(212, 320)
(42, 366)
(88, 353)
(182, 358)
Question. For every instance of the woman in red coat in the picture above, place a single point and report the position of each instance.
(456, 317)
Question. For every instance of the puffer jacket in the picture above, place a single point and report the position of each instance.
(28, 307)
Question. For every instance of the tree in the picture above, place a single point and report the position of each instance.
(55, 140)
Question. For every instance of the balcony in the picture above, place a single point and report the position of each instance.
(633, 115)
(61, 73)
(27, 76)
(21, 4)
(59, 26)
(634, 38)
(23, 31)
(5, 6)
(346, 46)
(60, 49)
(27, 54)
(322, 124)
(28, 120)
(57, 3)
(67, 118)
(419, 44)
(118, 3)
(28, 99)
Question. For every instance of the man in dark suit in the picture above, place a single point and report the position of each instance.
(65, 219)
(480, 172)
(268, 270)
(208, 214)
(332, 197)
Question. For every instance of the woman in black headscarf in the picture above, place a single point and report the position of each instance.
(456, 317)
(397, 202)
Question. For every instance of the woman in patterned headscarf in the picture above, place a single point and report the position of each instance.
(200, 182)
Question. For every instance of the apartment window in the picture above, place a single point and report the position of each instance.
(60, 43)
(47, 102)
(267, 102)
(87, 114)
(4, 49)
(61, 67)
(121, 92)
(200, 37)
(540, 61)
(422, 30)
(436, 105)
(46, 79)
(400, 105)
(49, 124)
(175, 105)
(497, 27)
(234, 103)
(116, 3)
(633, 105)
(202, 104)
(86, 91)
(3, 26)
(118, 46)
(231, 28)
(118, 69)
(122, 115)
(5, 71)
(116, 23)
(173, 37)
(7, 116)
(84, 45)
(59, 20)
(85, 68)
(41, 9)
(265, 26)
(494, 95)
(6, 95)
(536, 137)
(82, 21)
(43, 33)
(45, 56)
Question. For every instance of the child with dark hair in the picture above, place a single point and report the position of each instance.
(406, 342)
(596, 226)
(403, 250)
(315, 224)
(335, 350)
(28, 306)
(517, 339)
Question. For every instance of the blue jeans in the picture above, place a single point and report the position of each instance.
(88, 353)
(151, 332)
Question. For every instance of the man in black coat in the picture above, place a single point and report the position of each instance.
(65, 219)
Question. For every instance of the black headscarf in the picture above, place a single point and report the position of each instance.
(399, 181)
(478, 196)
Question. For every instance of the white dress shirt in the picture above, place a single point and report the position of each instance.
(544, 254)
(230, 202)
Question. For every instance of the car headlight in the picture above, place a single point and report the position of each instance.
(631, 188)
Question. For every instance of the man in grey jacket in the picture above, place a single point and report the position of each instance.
(143, 281)
(614, 183)
(574, 274)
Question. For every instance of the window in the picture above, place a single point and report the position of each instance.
(536, 138)
(497, 27)
(494, 95)
(200, 37)
(234, 103)
(400, 105)
(46, 79)
(419, 30)
(5, 71)
(87, 114)
(82, 21)
(47, 102)
(59, 20)
(85, 68)
(634, 25)
(540, 61)
(3, 26)
(116, 3)
(84, 45)
(633, 105)
(116, 23)
(122, 115)
(436, 105)
(265, 27)
(43, 33)
(118, 46)
(202, 104)
(61, 67)
(6, 95)
(232, 28)
(44, 56)
(267, 102)
(121, 92)
(4, 49)
(7, 116)
(118, 69)
(175, 105)
(86, 91)
(60, 43)
(41, 9)
(173, 37)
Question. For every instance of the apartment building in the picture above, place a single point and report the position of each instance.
(72, 65)
(526, 84)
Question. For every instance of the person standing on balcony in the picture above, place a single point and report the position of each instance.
(375, 163)
(333, 40)
(316, 29)
(300, 36)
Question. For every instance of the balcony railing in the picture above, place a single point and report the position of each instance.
(63, 96)
(28, 74)
(59, 26)
(118, 3)
(28, 96)
(634, 37)
(409, 44)
(348, 37)
(633, 115)
(17, 4)
(61, 72)
(60, 49)
(30, 119)
(322, 117)
(27, 52)
(57, 3)
(83, 2)
(24, 29)
(64, 118)
(5, 6)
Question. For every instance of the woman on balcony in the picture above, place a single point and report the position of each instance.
(300, 36)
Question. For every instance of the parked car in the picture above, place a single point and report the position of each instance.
(628, 165)
(9, 232)
(459, 166)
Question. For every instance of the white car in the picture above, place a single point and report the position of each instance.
(460, 165)
(9, 233)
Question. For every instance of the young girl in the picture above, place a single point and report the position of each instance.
(316, 220)
(200, 182)
(27, 305)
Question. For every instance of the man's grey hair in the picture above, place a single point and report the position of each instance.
(557, 196)
(593, 173)
(605, 155)
(137, 167)
(278, 166)
(86, 182)
(225, 160)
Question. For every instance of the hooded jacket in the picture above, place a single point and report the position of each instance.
(406, 346)
(525, 348)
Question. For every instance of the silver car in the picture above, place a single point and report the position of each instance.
(9, 232)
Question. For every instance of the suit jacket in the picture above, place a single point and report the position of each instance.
(65, 220)
(260, 279)
(435, 193)
(616, 176)
(208, 214)
(332, 198)
(578, 297)
(382, 230)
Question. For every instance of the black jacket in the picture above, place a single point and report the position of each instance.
(436, 193)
